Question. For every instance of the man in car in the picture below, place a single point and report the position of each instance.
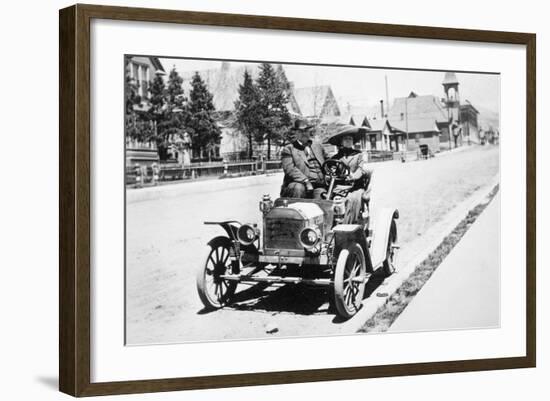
(301, 161)
(359, 188)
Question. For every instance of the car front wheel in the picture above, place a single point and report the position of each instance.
(215, 291)
(349, 280)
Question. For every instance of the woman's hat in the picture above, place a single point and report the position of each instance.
(351, 130)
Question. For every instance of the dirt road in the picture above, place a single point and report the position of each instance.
(166, 238)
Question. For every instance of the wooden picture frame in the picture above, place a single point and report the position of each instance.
(74, 199)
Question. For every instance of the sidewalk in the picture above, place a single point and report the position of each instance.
(464, 291)
(185, 187)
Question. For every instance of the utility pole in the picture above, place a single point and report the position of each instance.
(451, 133)
(407, 120)
(387, 96)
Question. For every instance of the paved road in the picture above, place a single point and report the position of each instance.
(166, 239)
(464, 291)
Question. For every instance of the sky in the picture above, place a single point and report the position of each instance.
(365, 86)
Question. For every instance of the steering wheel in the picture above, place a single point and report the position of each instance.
(335, 168)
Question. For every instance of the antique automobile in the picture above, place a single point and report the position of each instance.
(424, 152)
(302, 241)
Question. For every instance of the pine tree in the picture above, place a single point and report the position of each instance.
(247, 110)
(275, 118)
(175, 112)
(281, 76)
(174, 90)
(157, 90)
(201, 124)
(157, 100)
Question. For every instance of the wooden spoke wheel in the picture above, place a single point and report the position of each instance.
(388, 265)
(215, 291)
(349, 281)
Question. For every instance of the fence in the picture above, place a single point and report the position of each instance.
(140, 175)
(379, 155)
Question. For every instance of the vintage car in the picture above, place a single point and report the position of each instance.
(302, 241)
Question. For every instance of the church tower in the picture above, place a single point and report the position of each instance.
(450, 86)
(452, 102)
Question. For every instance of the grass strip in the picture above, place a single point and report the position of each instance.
(398, 301)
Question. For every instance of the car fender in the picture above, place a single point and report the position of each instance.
(382, 222)
(231, 227)
(348, 234)
(220, 240)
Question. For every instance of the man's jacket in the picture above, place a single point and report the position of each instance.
(295, 161)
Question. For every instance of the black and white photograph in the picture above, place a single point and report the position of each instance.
(268, 199)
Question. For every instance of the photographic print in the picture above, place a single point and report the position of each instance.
(273, 199)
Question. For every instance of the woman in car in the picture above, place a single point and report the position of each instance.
(358, 190)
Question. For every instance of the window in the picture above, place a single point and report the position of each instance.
(134, 71)
(144, 80)
(373, 142)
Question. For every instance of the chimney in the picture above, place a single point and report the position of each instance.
(381, 109)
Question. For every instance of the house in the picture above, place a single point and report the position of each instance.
(142, 70)
(416, 132)
(374, 139)
(424, 118)
(383, 136)
(469, 123)
(233, 145)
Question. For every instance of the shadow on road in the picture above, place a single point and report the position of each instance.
(299, 299)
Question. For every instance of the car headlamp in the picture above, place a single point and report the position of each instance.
(247, 234)
(339, 206)
(309, 237)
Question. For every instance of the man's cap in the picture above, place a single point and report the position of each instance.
(301, 125)
(351, 130)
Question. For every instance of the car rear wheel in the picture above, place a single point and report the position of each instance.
(349, 281)
(389, 263)
(215, 291)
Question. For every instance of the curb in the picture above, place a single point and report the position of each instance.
(438, 232)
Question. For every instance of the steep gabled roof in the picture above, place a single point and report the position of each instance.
(415, 126)
(314, 100)
(360, 120)
(378, 125)
(157, 64)
(425, 107)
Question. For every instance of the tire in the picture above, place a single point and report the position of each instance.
(388, 266)
(214, 291)
(348, 294)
